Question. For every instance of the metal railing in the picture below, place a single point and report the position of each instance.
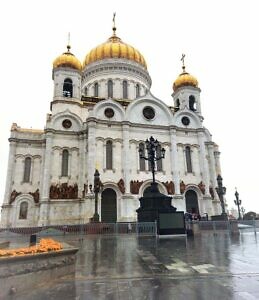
(229, 226)
(144, 228)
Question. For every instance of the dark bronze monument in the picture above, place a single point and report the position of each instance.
(155, 206)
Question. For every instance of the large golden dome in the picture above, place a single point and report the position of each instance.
(114, 48)
(67, 59)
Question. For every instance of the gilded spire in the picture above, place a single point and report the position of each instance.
(182, 59)
(114, 27)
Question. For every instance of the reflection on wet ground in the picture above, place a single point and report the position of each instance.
(129, 267)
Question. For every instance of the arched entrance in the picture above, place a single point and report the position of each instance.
(109, 206)
(191, 201)
(146, 191)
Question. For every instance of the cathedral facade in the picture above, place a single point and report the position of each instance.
(102, 112)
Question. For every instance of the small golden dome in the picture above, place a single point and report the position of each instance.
(185, 79)
(114, 48)
(67, 59)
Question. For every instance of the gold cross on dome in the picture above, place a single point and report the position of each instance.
(113, 20)
(182, 59)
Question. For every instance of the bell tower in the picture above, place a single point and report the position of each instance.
(186, 93)
(67, 76)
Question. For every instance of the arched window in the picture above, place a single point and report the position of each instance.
(68, 88)
(142, 160)
(96, 89)
(125, 89)
(159, 162)
(188, 159)
(109, 155)
(192, 103)
(27, 169)
(64, 169)
(110, 89)
(23, 210)
(137, 90)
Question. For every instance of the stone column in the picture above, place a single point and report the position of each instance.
(174, 161)
(91, 154)
(125, 158)
(217, 161)
(213, 175)
(204, 162)
(44, 205)
(81, 164)
(10, 169)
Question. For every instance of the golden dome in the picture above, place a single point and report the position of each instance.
(67, 59)
(114, 48)
(185, 79)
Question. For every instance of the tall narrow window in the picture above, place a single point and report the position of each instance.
(27, 169)
(23, 210)
(177, 105)
(86, 91)
(96, 90)
(68, 88)
(142, 160)
(110, 89)
(137, 90)
(159, 162)
(192, 103)
(188, 159)
(64, 169)
(125, 89)
(109, 155)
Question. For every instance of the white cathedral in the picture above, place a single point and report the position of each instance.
(102, 112)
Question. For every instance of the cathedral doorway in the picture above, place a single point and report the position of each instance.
(146, 191)
(109, 206)
(191, 201)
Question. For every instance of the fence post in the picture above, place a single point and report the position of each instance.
(254, 223)
(229, 226)
(214, 227)
(156, 228)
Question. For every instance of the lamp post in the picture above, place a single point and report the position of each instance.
(221, 190)
(152, 147)
(238, 203)
(97, 185)
(243, 212)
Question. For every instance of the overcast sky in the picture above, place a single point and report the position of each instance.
(219, 38)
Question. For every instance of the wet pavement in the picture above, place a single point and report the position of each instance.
(130, 267)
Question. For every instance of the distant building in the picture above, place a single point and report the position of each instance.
(102, 112)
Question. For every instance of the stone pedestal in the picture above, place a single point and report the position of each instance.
(152, 204)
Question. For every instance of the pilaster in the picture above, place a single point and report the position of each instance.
(204, 162)
(174, 161)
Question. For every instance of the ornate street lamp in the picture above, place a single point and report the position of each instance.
(97, 188)
(238, 203)
(221, 190)
(152, 147)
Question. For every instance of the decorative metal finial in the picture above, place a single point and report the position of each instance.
(113, 20)
(68, 42)
(182, 59)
